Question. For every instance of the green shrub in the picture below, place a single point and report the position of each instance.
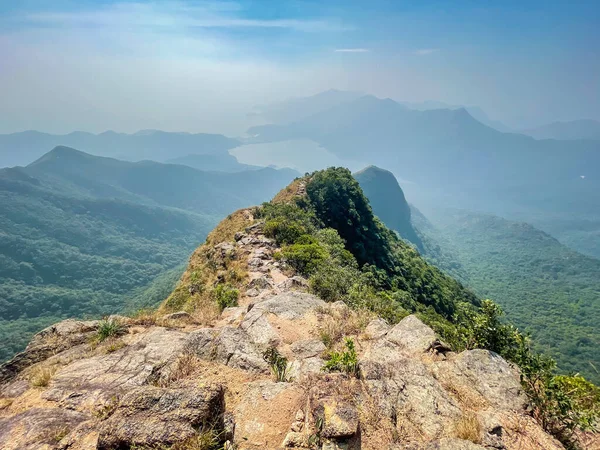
(283, 231)
(278, 364)
(226, 296)
(304, 258)
(344, 361)
(108, 328)
(332, 282)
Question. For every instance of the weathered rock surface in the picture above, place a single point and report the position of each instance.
(150, 416)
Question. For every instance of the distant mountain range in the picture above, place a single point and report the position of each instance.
(576, 129)
(87, 235)
(450, 159)
(220, 162)
(19, 149)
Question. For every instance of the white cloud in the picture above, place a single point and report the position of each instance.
(351, 50)
(426, 51)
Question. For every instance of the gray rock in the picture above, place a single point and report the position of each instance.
(239, 235)
(412, 336)
(95, 382)
(252, 292)
(230, 346)
(259, 329)
(295, 439)
(49, 341)
(307, 348)
(260, 283)
(151, 416)
(377, 328)
(340, 419)
(33, 428)
(295, 282)
(290, 305)
(488, 374)
(453, 444)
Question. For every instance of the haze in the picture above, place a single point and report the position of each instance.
(202, 66)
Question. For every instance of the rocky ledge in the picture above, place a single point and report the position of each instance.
(179, 383)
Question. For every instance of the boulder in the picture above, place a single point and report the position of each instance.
(50, 341)
(290, 305)
(152, 416)
(340, 419)
(307, 348)
(179, 315)
(230, 346)
(412, 336)
(485, 373)
(376, 328)
(97, 381)
(37, 427)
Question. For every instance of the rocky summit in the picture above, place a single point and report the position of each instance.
(267, 365)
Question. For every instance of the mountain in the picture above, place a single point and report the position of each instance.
(222, 162)
(388, 202)
(276, 337)
(295, 109)
(23, 148)
(573, 130)
(475, 111)
(82, 235)
(449, 159)
(544, 287)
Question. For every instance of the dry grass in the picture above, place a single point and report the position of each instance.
(468, 428)
(233, 223)
(5, 403)
(288, 194)
(337, 323)
(205, 440)
(145, 317)
(112, 345)
(40, 376)
(184, 367)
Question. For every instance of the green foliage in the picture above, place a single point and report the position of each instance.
(226, 296)
(546, 289)
(278, 364)
(304, 258)
(345, 361)
(109, 328)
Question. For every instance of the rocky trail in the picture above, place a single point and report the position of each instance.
(171, 382)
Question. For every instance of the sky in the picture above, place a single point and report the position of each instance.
(201, 66)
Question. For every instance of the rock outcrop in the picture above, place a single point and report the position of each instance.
(198, 377)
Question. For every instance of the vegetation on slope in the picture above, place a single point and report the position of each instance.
(546, 289)
(325, 230)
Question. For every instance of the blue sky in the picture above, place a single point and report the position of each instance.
(201, 65)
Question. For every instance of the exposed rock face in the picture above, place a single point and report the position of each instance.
(158, 386)
(158, 416)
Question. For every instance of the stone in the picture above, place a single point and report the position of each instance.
(340, 308)
(376, 328)
(412, 336)
(259, 329)
(486, 373)
(96, 381)
(295, 439)
(50, 341)
(179, 315)
(36, 427)
(260, 283)
(307, 348)
(291, 305)
(453, 444)
(252, 292)
(332, 445)
(239, 235)
(295, 282)
(152, 416)
(228, 345)
(340, 419)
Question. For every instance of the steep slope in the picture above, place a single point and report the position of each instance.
(388, 202)
(576, 129)
(23, 148)
(87, 236)
(268, 365)
(544, 287)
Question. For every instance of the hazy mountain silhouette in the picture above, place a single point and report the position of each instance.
(23, 148)
(576, 129)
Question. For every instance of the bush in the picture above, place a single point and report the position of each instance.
(284, 232)
(345, 361)
(108, 328)
(226, 296)
(304, 258)
(278, 364)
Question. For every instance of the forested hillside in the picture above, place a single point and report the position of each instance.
(88, 236)
(544, 287)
